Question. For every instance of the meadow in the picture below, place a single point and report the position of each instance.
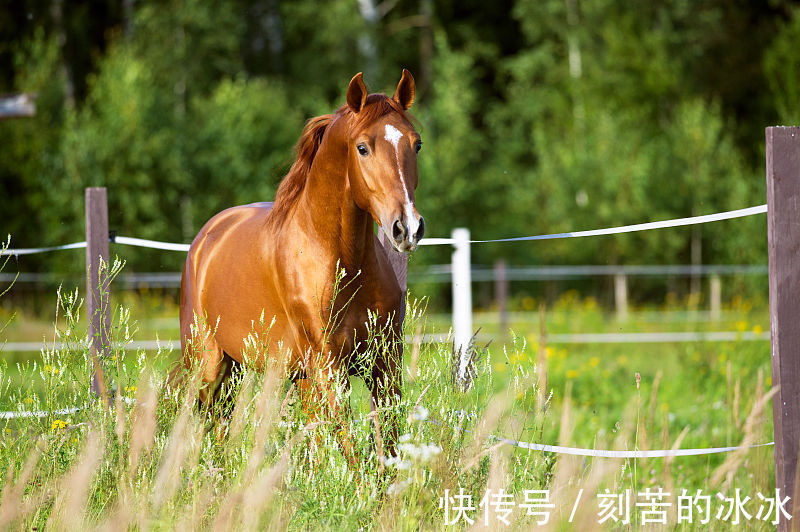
(153, 460)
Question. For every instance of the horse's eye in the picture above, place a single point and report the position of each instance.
(362, 149)
(418, 146)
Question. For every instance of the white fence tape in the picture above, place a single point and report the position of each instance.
(32, 251)
(602, 453)
(678, 222)
(153, 244)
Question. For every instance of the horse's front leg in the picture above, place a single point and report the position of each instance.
(324, 394)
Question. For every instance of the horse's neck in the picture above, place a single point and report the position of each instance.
(341, 228)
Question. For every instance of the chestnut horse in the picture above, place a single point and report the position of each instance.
(278, 264)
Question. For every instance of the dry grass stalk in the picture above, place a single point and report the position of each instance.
(239, 416)
(143, 423)
(541, 362)
(736, 399)
(495, 481)
(73, 488)
(12, 506)
(258, 496)
(376, 419)
(734, 460)
(651, 417)
(566, 469)
(266, 414)
(415, 349)
(489, 422)
(669, 485)
(182, 438)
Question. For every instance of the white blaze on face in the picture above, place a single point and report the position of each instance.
(393, 135)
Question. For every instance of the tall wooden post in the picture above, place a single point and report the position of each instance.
(715, 297)
(501, 294)
(97, 289)
(783, 239)
(621, 295)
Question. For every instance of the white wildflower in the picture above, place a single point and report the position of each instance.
(420, 413)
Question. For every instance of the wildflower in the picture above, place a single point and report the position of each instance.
(58, 425)
(594, 362)
(398, 487)
(420, 413)
(572, 373)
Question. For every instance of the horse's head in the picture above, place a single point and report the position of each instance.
(382, 160)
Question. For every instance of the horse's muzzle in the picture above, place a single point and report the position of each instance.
(406, 236)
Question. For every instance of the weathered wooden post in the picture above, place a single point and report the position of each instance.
(501, 294)
(783, 239)
(715, 297)
(97, 283)
(621, 295)
(462, 298)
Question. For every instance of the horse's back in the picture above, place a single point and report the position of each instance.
(224, 271)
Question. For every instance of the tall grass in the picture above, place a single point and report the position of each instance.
(155, 460)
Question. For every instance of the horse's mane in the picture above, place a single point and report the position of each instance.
(291, 187)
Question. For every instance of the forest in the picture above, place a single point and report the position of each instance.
(537, 116)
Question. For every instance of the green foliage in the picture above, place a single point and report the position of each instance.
(782, 67)
(562, 116)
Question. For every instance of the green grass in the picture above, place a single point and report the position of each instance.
(183, 473)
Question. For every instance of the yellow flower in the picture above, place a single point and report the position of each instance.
(528, 303)
(58, 424)
(758, 329)
(741, 326)
(572, 373)
(622, 359)
(499, 367)
(548, 351)
(594, 362)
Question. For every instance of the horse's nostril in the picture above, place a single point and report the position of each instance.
(398, 231)
(421, 230)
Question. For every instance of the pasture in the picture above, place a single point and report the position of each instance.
(153, 461)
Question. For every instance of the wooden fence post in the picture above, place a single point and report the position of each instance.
(783, 242)
(621, 295)
(462, 298)
(715, 297)
(97, 289)
(501, 294)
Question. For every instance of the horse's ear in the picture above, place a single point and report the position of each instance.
(404, 95)
(357, 93)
